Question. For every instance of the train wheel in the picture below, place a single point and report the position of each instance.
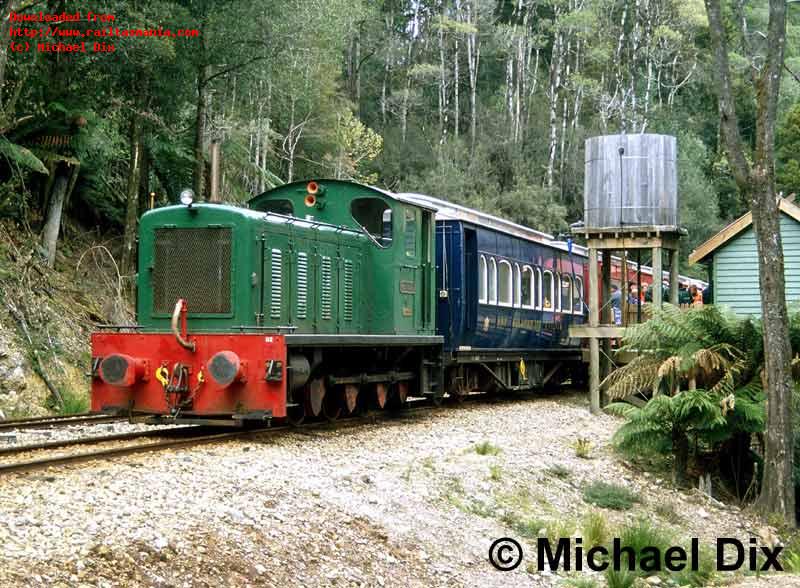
(398, 396)
(381, 394)
(459, 392)
(332, 407)
(315, 396)
(350, 398)
(295, 415)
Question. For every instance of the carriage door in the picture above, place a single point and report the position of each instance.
(427, 276)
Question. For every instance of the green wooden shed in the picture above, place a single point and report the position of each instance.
(732, 259)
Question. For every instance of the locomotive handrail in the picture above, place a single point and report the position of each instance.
(180, 310)
(314, 223)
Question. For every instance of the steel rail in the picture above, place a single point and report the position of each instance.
(37, 464)
(58, 421)
(413, 407)
(24, 448)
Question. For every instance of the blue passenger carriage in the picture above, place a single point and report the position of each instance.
(507, 295)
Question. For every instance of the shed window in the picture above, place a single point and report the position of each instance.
(566, 294)
(492, 281)
(505, 287)
(482, 286)
(577, 296)
(526, 288)
(370, 213)
(547, 290)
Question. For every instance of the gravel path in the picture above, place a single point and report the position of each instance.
(400, 503)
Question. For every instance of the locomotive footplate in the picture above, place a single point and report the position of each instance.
(253, 419)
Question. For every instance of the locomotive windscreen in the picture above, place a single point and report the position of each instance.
(193, 264)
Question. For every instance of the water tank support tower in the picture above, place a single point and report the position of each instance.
(630, 209)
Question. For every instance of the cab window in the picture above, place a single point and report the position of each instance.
(375, 216)
(279, 206)
(410, 234)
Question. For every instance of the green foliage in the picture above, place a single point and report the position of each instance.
(582, 583)
(486, 448)
(582, 447)
(595, 529)
(75, 402)
(558, 471)
(19, 156)
(611, 496)
(653, 427)
(620, 578)
(788, 153)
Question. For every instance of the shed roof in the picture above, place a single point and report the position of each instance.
(736, 227)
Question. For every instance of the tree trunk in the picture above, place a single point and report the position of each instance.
(131, 209)
(52, 223)
(198, 178)
(5, 26)
(756, 182)
(777, 494)
(473, 60)
(680, 447)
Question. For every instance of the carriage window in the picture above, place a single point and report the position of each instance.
(411, 233)
(281, 206)
(577, 296)
(504, 284)
(547, 291)
(517, 285)
(386, 227)
(537, 288)
(526, 294)
(566, 294)
(492, 281)
(482, 280)
(370, 214)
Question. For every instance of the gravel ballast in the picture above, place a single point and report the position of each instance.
(406, 502)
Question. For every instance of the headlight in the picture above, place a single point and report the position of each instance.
(187, 197)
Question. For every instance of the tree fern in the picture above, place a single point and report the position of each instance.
(19, 155)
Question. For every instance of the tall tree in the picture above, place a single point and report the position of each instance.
(756, 183)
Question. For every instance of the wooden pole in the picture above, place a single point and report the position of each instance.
(607, 316)
(605, 302)
(625, 288)
(657, 277)
(214, 172)
(673, 276)
(594, 348)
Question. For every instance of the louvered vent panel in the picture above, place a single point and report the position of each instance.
(277, 284)
(302, 285)
(347, 312)
(193, 264)
(325, 288)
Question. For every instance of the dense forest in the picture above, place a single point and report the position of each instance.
(483, 102)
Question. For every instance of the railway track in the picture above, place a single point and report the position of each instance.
(58, 421)
(190, 436)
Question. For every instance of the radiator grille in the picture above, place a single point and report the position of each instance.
(302, 285)
(347, 311)
(325, 288)
(193, 264)
(277, 284)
